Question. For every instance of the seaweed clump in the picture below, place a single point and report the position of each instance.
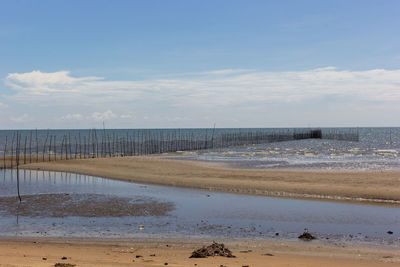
(64, 265)
(306, 236)
(215, 249)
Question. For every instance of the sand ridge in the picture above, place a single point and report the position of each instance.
(379, 186)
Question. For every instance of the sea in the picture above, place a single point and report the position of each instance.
(376, 148)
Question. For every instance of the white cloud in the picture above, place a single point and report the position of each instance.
(96, 116)
(39, 83)
(75, 116)
(126, 116)
(2, 105)
(21, 118)
(226, 71)
(214, 94)
(225, 87)
(107, 115)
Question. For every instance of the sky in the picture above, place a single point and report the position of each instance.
(192, 64)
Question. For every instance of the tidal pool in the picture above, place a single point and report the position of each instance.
(56, 204)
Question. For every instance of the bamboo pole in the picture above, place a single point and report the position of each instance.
(80, 145)
(5, 149)
(25, 151)
(84, 146)
(49, 150)
(17, 163)
(70, 145)
(55, 147)
(37, 146)
(76, 146)
(12, 150)
(30, 147)
(44, 145)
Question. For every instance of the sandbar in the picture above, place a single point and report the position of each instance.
(365, 186)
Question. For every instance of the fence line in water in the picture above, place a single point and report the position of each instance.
(29, 148)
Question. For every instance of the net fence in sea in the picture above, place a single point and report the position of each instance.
(27, 146)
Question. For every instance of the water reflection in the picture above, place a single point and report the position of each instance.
(196, 213)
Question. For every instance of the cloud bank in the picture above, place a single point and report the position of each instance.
(223, 87)
(104, 99)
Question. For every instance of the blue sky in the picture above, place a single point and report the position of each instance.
(135, 64)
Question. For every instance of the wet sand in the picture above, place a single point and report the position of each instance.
(175, 252)
(373, 186)
(219, 177)
(83, 205)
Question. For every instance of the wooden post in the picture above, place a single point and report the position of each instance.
(44, 145)
(55, 147)
(37, 147)
(49, 150)
(84, 146)
(25, 151)
(30, 147)
(5, 149)
(76, 146)
(17, 162)
(12, 150)
(70, 145)
(212, 137)
(80, 145)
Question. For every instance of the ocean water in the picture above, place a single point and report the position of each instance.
(375, 149)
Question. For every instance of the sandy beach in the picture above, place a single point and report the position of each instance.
(348, 186)
(175, 252)
(373, 186)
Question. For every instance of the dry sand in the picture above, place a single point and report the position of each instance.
(368, 185)
(47, 252)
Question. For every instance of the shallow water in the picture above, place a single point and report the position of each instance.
(195, 213)
(377, 149)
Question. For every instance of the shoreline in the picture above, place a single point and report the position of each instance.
(176, 252)
(45, 251)
(372, 187)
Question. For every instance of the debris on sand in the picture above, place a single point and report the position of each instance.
(215, 249)
(306, 236)
(64, 265)
(387, 257)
